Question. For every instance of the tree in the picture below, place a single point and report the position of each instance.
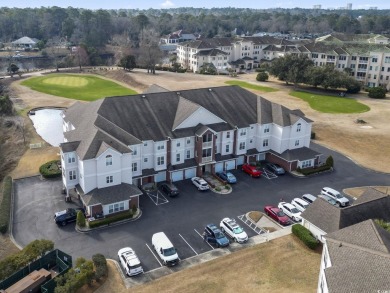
(128, 62)
(100, 264)
(377, 93)
(55, 45)
(208, 68)
(12, 69)
(329, 161)
(80, 219)
(149, 51)
(82, 56)
(262, 76)
(142, 21)
(6, 105)
(352, 85)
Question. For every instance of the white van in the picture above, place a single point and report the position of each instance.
(165, 249)
(340, 199)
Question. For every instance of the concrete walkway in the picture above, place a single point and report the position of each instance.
(219, 186)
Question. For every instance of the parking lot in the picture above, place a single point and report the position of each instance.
(182, 219)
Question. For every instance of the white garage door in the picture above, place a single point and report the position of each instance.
(261, 157)
(177, 176)
(189, 173)
(160, 177)
(240, 160)
(230, 165)
(218, 167)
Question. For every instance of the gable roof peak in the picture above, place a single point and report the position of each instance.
(184, 110)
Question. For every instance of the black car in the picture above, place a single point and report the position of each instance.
(214, 235)
(169, 189)
(275, 168)
(66, 216)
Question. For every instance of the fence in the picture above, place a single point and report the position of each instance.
(55, 258)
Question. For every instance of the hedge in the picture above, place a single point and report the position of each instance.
(50, 169)
(112, 219)
(100, 264)
(80, 220)
(5, 207)
(305, 235)
(309, 171)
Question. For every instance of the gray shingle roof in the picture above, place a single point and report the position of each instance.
(300, 154)
(69, 146)
(184, 109)
(154, 88)
(370, 194)
(211, 52)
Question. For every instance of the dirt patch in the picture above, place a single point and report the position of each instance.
(114, 282)
(255, 216)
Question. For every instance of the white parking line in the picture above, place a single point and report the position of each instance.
(154, 254)
(157, 199)
(251, 225)
(204, 240)
(188, 244)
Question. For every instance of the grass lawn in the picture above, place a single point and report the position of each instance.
(331, 104)
(77, 86)
(251, 86)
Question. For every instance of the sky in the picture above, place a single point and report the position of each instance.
(158, 4)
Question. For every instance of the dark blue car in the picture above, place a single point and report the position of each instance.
(227, 176)
(212, 234)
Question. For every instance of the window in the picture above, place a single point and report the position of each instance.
(160, 161)
(251, 141)
(134, 167)
(243, 132)
(227, 148)
(145, 144)
(299, 127)
(353, 58)
(306, 164)
(228, 133)
(108, 160)
(206, 153)
(387, 59)
(265, 142)
(116, 207)
(188, 141)
(297, 143)
(207, 137)
(342, 57)
(160, 147)
(266, 129)
(72, 175)
(71, 158)
(177, 157)
(242, 146)
(374, 59)
(109, 179)
(135, 151)
(178, 144)
(145, 160)
(188, 154)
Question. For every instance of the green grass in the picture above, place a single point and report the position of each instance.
(78, 87)
(331, 104)
(251, 86)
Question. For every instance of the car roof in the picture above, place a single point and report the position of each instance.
(212, 227)
(130, 256)
(230, 222)
(330, 189)
(300, 200)
(289, 205)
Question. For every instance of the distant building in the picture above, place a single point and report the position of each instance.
(170, 41)
(318, 6)
(25, 42)
(349, 6)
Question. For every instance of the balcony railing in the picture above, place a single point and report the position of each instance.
(207, 144)
(363, 61)
(207, 159)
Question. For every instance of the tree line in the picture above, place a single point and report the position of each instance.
(96, 28)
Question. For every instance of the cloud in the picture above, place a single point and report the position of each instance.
(167, 4)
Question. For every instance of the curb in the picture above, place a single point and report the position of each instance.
(108, 225)
(220, 192)
(11, 220)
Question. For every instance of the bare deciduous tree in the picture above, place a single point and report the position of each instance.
(149, 52)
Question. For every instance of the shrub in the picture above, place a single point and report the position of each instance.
(227, 187)
(305, 235)
(112, 219)
(80, 219)
(5, 207)
(309, 171)
(100, 264)
(353, 86)
(218, 188)
(50, 169)
(377, 93)
(262, 76)
(329, 161)
(134, 208)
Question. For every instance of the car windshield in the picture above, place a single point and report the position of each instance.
(238, 230)
(134, 267)
(203, 183)
(338, 195)
(219, 235)
(294, 211)
(230, 176)
(169, 251)
(280, 214)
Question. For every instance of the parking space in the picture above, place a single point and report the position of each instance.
(268, 174)
(249, 224)
(157, 197)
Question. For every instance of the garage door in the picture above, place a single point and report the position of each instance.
(177, 176)
(261, 157)
(189, 173)
(218, 167)
(160, 177)
(230, 165)
(240, 160)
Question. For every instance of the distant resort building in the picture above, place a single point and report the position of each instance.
(25, 42)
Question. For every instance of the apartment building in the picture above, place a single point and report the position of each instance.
(116, 144)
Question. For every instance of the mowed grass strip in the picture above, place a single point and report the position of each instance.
(280, 265)
(331, 104)
(251, 86)
(77, 87)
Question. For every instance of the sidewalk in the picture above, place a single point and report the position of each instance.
(219, 186)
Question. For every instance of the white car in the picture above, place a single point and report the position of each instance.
(290, 211)
(341, 201)
(200, 183)
(300, 204)
(233, 230)
(130, 261)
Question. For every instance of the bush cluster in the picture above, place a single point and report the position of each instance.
(112, 219)
(80, 219)
(377, 92)
(100, 264)
(50, 169)
(5, 207)
(309, 171)
(262, 76)
(305, 235)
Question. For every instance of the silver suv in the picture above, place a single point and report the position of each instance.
(341, 201)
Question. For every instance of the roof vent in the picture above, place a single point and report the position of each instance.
(178, 93)
(340, 245)
(143, 96)
(210, 90)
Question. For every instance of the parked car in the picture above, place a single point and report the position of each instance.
(233, 230)
(227, 176)
(309, 198)
(165, 249)
(212, 234)
(130, 261)
(278, 215)
(290, 211)
(340, 200)
(275, 168)
(328, 199)
(66, 216)
(169, 189)
(300, 204)
(251, 170)
(200, 183)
